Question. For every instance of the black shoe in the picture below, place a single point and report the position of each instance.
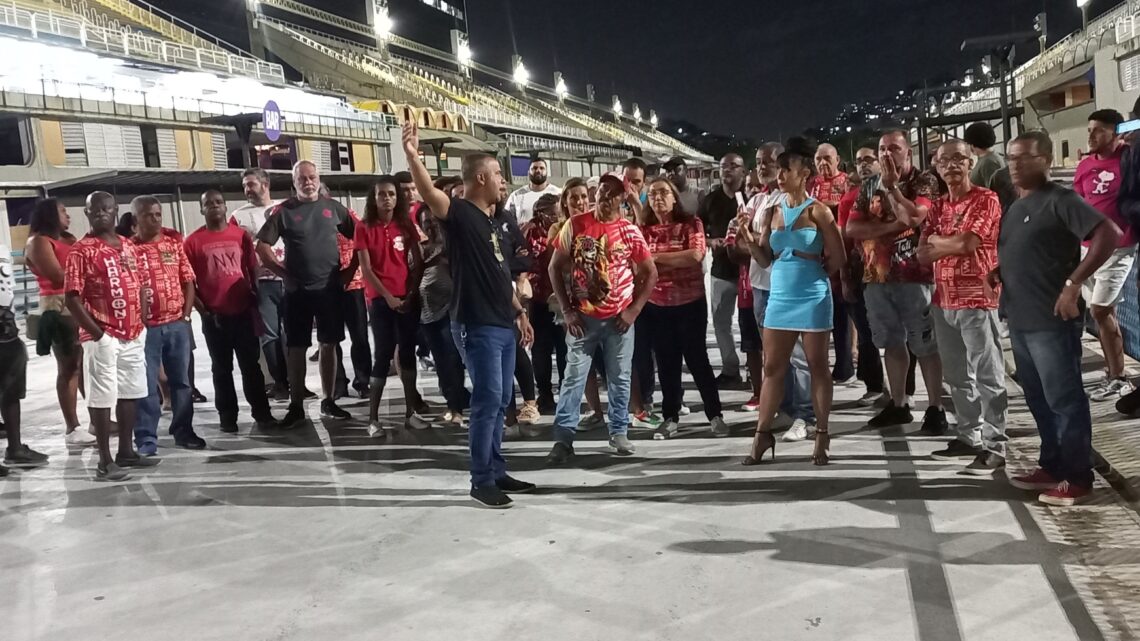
(546, 405)
(329, 409)
(892, 415)
(110, 472)
(137, 461)
(955, 450)
(726, 382)
(310, 394)
(293, 418)
(985, 464)
(24, 457)
(515, 486)
(191, 442)
(340, 392)
(934, 422)
(279, 393)
(362, 391)
(1129, 404)
(491, 497)
(229, 427)
(197, 396)
(3, 471)
(266, 422)
(559, 454)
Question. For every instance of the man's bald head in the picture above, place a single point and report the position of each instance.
(827, 160)
(102, 212)
(98, 199)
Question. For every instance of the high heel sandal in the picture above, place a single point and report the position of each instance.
(755, 458)
(822, 437)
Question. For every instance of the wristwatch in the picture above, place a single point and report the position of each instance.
(186, 318)
(1069, 282)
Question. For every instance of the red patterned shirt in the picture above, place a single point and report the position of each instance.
(744, 296)
(347, 249)
(828, 190)
(537, 235)
(107, 281)
(894, 260)
(677, 285)
(959, 280)
(165, 270)
(602, 257)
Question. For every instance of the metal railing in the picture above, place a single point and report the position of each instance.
(316, 14)
(132, 44)
(171, 26)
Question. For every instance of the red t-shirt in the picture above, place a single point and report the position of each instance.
(959, 281)
(388, 256)
(345, 245)
(677, 285)
(537, 237)
(107, 280)
(602, 257)
(1098, 181)
(846, 204)
(828, 190)
(744, 294)
(225, 265)
(165, 271)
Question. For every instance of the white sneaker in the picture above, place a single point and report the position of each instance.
(685, 411)
(80, 437)
(799, 431)
(1111, 389)
(869, 399)
(374, 429)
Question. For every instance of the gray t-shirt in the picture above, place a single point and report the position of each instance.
(983, 172)
(1038, 249)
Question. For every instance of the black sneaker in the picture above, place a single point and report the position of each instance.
(229, 427)
(515, 486)
(266, 422)
(985, 464)
(559, 454)
(137, 461)
(492, 497)
(309, 394)
(293, 418)
(24, 457)
(892, 415)
(726, 382)
(197, 396)
(340, 392)
(279, 393)
(934, 422)
(110, 473)
(329, 409)
(191, 442)
(1129, 404)
(546, 405)
(955, 450)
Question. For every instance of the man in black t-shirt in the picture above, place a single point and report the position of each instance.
(484, 306)
(717, 211)
(314, 282)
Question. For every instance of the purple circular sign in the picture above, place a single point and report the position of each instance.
(271, 121)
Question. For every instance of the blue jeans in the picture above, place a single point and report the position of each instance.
(1049, 371)
(167, 346)
(797, 383)
(270, 302)
(617, 353)
(489, 352)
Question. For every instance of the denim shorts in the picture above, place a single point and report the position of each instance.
(899, 314)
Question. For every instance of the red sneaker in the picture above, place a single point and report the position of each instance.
(752, 405)
(1038, 480)
(1065, 495)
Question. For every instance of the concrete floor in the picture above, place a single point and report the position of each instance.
(327, 534)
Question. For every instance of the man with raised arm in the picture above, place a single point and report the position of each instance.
(484, 306)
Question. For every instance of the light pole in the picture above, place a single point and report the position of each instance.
(1084, 7)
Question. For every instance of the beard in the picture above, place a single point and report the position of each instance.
(536, 179)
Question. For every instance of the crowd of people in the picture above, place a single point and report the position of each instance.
(891, 268)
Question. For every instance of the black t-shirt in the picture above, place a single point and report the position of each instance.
(718, 210)
(479, 248)
(309, 229)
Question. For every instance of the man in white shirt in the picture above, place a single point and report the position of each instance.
(13, 373)
(270, 289)
(521, 202)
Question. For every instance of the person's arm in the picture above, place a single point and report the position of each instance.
(41, 255)
(437, 201)
(644, 279)
(559, 266)
(82, 317)
(415, 270)
(266, 238)
(372, 279)
(694, 255)
(963, 244)
(835, 255)
(911, 213)
(859, 227)
(1103, 237)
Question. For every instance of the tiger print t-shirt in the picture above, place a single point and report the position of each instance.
(602, 256)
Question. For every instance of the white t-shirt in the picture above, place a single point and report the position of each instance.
(761, 277)
(7, 277)
(251, 218)
(521, 202)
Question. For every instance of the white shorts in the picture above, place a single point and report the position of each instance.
(1106, 287)
(114, 370)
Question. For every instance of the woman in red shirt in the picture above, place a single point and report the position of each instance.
(46, 255)
(549, 337)
(388, 247)
(676, 316)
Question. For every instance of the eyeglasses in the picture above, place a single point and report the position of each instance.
(956, 159)
(866, 160)
(660, 193)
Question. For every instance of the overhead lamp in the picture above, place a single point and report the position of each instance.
(464, 54)
(636, 112)
(383, 23)
(520, 74)
(653, 118)
(560, 88)
(617, 105)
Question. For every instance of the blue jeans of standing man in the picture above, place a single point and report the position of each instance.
(489, 352)
(167, 346)
(797, 383)
(617, 353)
(270, 304)
(1049, 371)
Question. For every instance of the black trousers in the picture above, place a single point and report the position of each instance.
(524, 373)
(356, 324)
(645, 330)
(227, 337)
(681, 337)
(841, 335)
(870, 366)
(549, 347)
(448, 364)
(395, 335)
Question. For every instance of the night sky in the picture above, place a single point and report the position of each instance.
(756, 68)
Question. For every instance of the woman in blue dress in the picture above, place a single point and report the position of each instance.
(801, 242)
